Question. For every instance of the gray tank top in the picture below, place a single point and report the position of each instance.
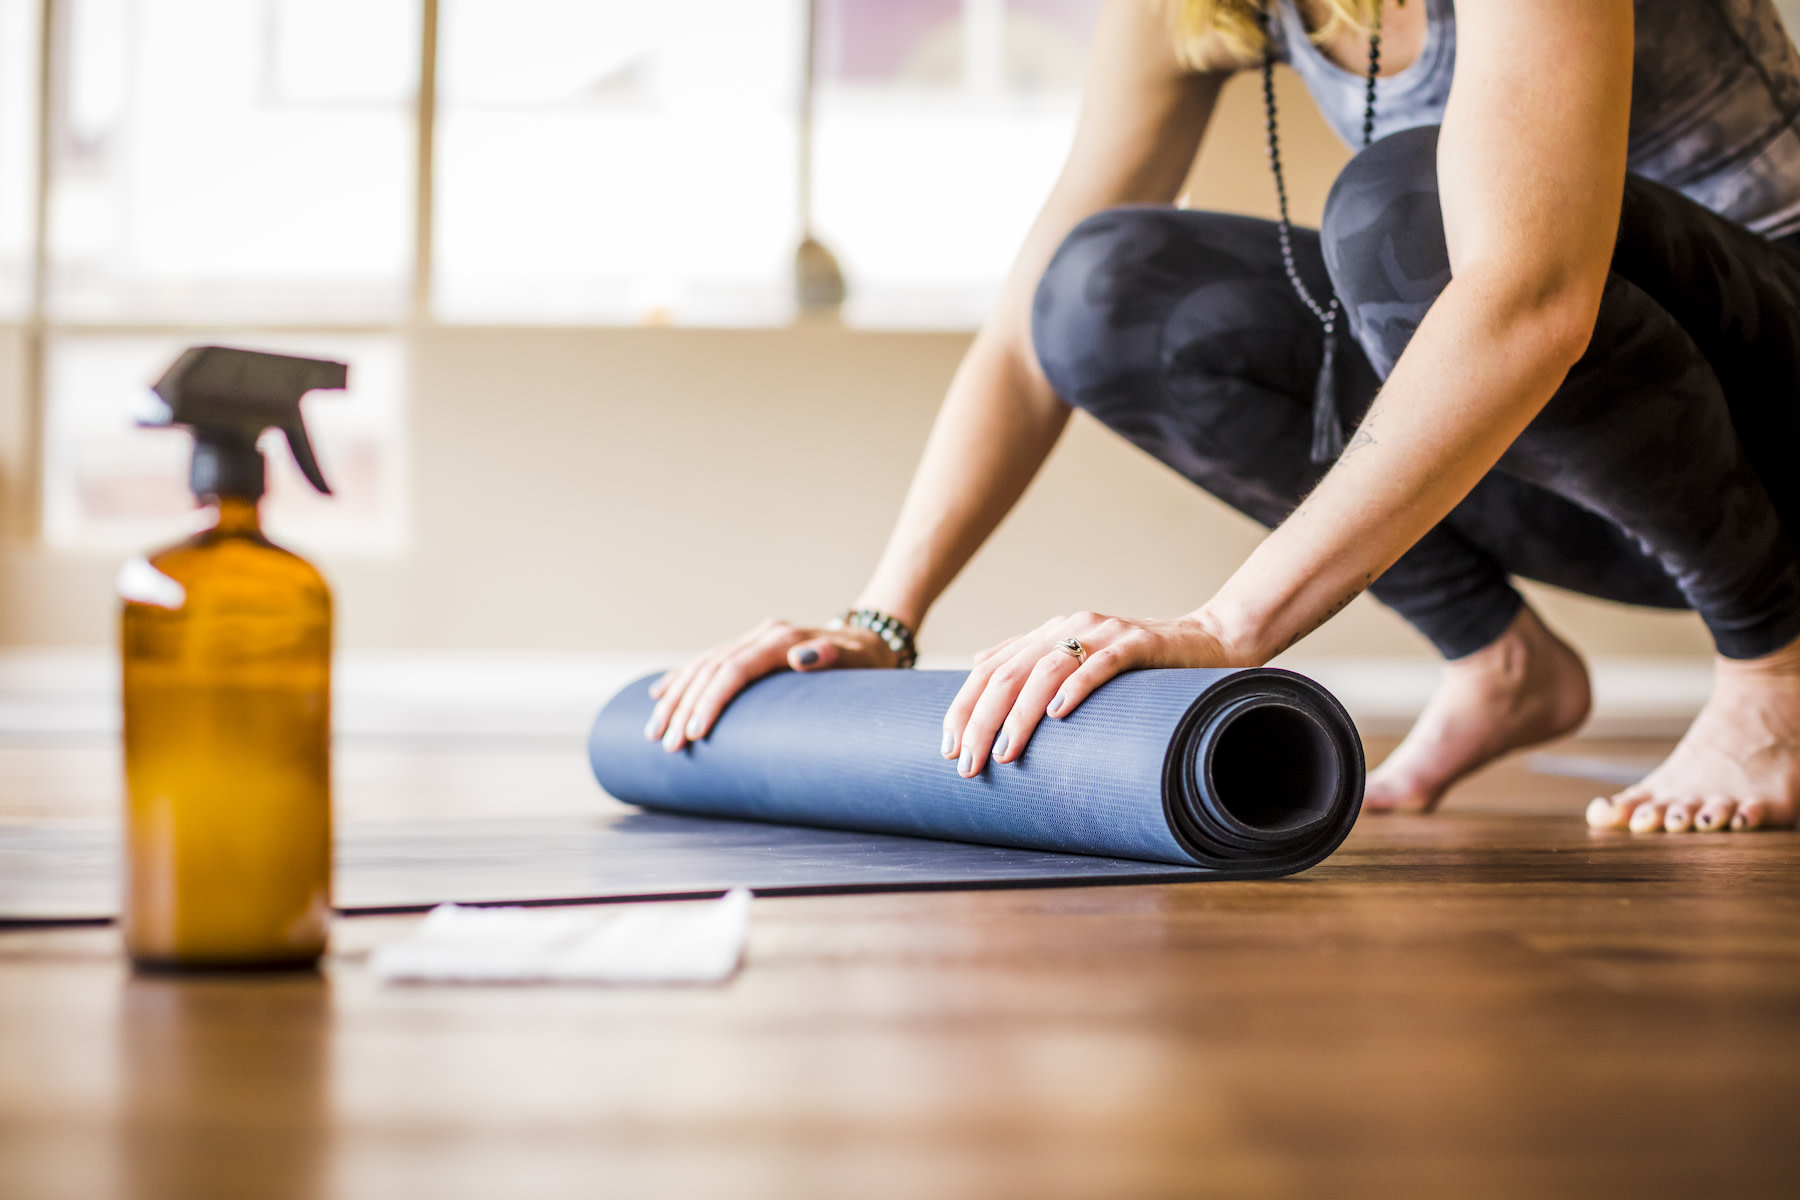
(1715, 91)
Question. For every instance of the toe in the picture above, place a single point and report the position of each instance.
(1751, 814)
(1715, 814)
(1390, 791)
(1615, 812)
(1678, 817)
(1647, 817)
(1608, 814)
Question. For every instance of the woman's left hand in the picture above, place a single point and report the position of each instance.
(1016, 684)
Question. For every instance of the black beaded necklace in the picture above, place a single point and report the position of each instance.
(1327, 426)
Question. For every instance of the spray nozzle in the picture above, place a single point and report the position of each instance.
(228, 397)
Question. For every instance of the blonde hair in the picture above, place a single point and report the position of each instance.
(1238, 24)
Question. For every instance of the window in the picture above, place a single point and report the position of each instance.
(941, 126)
(233, 161)
(248, 172)
(18, 153)
(243, 169)
(615, 161)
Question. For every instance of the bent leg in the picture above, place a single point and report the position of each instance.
(1640, 435)
(1643, 435)
(1179, 331)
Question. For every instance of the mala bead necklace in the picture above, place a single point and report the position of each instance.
(1327, 425)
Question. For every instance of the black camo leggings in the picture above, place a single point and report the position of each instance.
(1664, 472)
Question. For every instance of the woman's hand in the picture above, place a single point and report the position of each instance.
(691, 697)
(1015, 684)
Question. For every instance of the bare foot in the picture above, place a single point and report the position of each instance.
(1737, 768)
(1528, 686)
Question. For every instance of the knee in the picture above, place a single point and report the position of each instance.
(1089, 318)
(1383, 241)
(1386, 195)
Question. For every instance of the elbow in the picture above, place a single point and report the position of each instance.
(1544, 318)
(1565, 322)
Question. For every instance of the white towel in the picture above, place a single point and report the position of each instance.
(623, 943)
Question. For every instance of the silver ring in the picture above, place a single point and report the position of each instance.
(1073, 649)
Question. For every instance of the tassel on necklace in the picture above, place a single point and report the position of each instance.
(1327, 425)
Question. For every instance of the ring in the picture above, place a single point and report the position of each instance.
(1073, 649)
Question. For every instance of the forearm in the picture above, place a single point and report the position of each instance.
(1484, 361)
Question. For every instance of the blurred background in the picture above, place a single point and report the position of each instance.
(555, 239)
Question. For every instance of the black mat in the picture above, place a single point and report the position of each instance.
(49, 875)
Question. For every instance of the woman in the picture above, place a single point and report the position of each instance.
(1550, 304)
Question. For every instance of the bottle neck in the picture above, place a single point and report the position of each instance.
(237, 516)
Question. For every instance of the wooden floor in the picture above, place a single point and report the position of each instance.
(1490, 1002)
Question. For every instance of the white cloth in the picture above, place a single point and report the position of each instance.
(615, 943)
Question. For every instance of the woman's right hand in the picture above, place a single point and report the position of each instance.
(690, 698)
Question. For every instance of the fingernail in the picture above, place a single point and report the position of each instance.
(949, 748)
(808, 657)
(1056, 705)
(966, 762)
(650, 730)
(671, 739)
(1000, 744)
(693, 729)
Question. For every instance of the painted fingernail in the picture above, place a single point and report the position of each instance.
(1001, 743)
(693, 729)
(1056, 705)
(808, 657)
(967, 762)
(948, 749)
(650, 730)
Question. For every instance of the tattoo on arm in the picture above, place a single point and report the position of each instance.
(1334, 610)
(1365, 435)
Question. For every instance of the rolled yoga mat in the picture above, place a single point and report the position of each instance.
(1248, 774)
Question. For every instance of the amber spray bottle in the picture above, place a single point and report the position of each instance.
(226, 646)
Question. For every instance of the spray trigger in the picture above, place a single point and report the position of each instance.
(228, 397)
(301, 445)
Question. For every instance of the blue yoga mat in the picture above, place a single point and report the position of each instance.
(1248, 774)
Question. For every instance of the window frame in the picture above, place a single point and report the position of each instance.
(39, 328)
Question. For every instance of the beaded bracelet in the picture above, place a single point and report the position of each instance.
(891, 630)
